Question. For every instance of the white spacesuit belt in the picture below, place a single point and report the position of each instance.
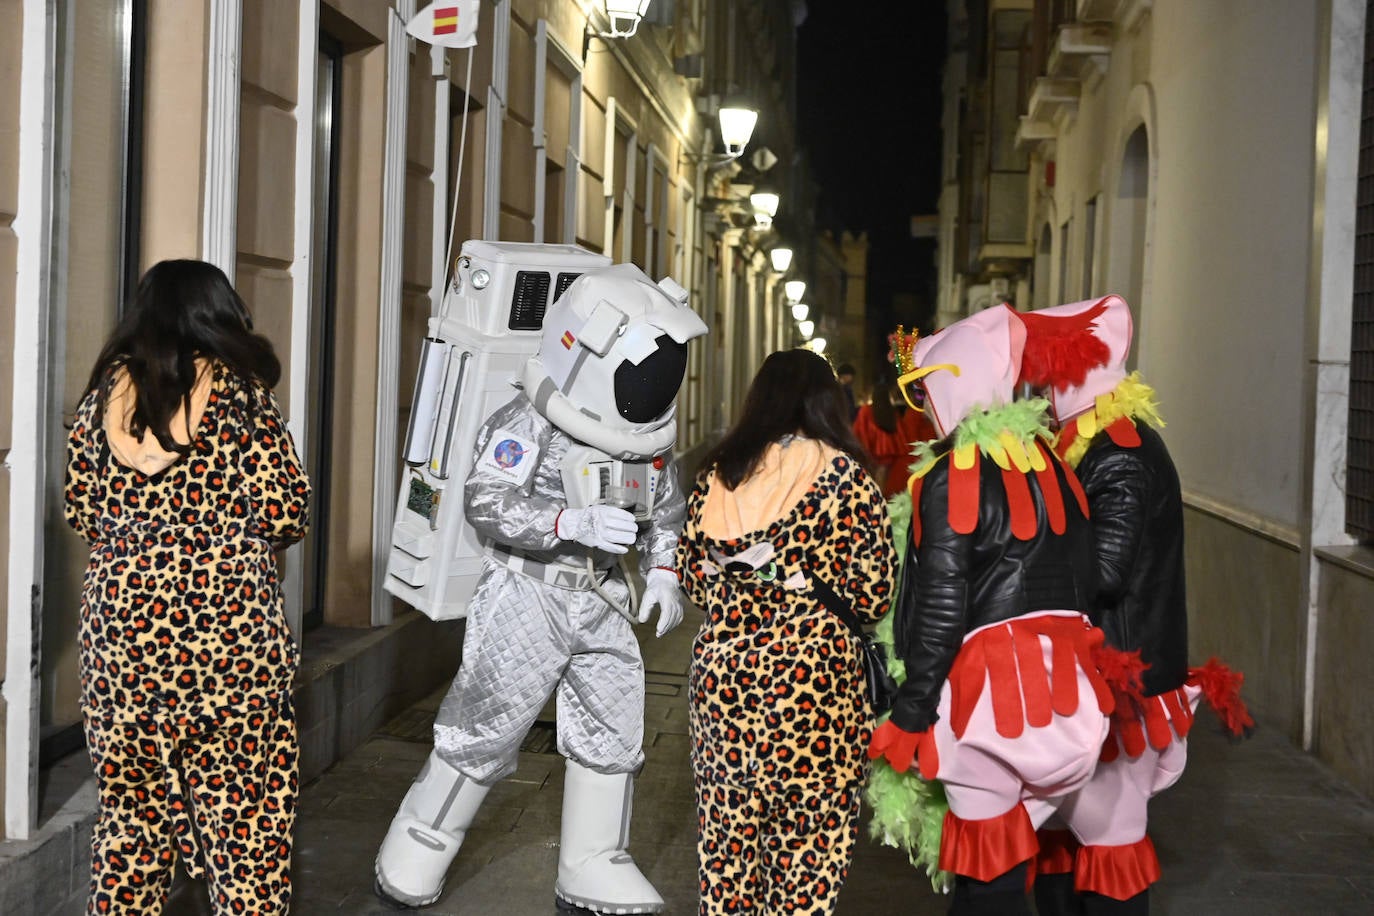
(549, 573)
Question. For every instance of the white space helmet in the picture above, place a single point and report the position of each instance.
(612, 359)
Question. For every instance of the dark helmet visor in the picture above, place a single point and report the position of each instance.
(643, 392)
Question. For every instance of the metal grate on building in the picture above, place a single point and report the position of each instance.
(1359, 492)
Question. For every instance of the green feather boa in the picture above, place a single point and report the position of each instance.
(908, 811)
(1026, 420)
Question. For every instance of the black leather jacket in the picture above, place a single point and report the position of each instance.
(954, 583)
(1137, 517)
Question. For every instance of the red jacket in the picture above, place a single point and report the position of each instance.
(891, 451)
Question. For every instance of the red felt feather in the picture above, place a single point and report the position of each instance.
(963, 496)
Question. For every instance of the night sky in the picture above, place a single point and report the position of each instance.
(869, 98)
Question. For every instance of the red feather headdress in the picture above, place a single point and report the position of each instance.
(1062, 349)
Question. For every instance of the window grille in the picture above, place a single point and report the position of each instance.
(1359, 493)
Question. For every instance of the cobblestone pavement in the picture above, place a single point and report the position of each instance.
(1253, 828)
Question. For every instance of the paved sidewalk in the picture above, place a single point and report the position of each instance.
(1254, 828)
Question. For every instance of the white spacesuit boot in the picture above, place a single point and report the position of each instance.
(425, 834)
(594, 869)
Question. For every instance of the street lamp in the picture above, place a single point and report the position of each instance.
(794, 289)
(624, 16)
(800, 310)
(817, 344)
(781, 258)
(736, 127)
(765, 204)
(807, 328)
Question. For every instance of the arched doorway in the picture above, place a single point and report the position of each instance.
(1040, 278)
(1126, 256)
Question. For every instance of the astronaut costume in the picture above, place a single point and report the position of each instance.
(568, 475)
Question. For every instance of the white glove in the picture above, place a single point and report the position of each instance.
(601, 527)
(661, 588)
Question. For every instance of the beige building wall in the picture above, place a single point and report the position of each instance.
(174, 125)
(651, 176)
(1204, 167)
(349, 590)
(267, 173)
(1225, 273)
(10, 46)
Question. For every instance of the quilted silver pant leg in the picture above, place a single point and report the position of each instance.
(524, 639)
(601, 697)
(515, 649)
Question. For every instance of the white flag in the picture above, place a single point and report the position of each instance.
(446, 24)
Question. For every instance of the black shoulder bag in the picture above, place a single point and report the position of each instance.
(882, 689)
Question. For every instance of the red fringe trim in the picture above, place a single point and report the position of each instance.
(1057, 849)
(1007, 660)
(1147, 721)
(986, 848)
(1119, 872)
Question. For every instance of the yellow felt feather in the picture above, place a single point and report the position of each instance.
(1016, 451)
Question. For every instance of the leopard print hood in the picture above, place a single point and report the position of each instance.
(144, 454)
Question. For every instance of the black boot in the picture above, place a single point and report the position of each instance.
(1098, 905)
(391, 902)
(1004, 895)
(1055, 896)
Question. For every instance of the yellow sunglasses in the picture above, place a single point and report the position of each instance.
(904, 382)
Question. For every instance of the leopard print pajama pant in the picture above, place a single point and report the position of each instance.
(774, 852)
(220, 792)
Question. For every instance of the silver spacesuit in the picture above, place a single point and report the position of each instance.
(570, 473)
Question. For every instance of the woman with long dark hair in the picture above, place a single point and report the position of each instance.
(183, 478)
(783, 526)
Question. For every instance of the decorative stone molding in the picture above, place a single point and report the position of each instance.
(219, 215)
(389, 308)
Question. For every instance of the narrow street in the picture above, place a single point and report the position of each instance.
(1253, 829)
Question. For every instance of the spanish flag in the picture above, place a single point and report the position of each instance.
(567, 340)
(446, 24)
(445, 20)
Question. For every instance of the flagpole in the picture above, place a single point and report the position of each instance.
(458, 177)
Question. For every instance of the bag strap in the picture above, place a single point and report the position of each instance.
(836, 605)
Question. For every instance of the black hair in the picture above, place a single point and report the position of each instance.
(886, 413)
(794, 393)
(844, 369)
(182, 310)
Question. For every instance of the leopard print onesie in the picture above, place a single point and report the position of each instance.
(186, 661)
(778, 716)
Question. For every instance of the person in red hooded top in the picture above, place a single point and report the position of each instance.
(888, 427)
